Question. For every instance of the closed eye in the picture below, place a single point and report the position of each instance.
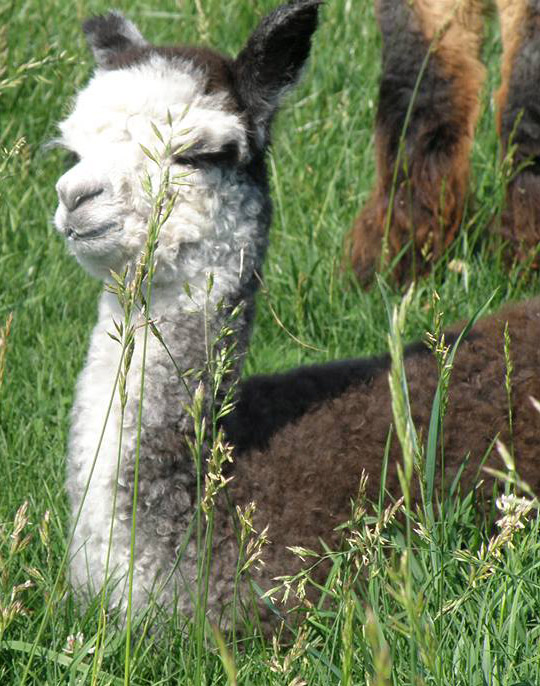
(225, 156)
(71, 158)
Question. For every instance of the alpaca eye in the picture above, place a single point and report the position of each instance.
(226, 156)
(71, 159)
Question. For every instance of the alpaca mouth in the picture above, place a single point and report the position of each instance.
(98, 232)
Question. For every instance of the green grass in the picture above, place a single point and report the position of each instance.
(385, 626)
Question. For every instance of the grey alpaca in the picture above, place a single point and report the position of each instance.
(217, 113)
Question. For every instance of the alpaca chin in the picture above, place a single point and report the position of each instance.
(99, 255)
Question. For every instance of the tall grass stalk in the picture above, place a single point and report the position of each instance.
(406, 433)
(163, 202)
(413, 453)
(509, 370)
(4, 337)
(220, 363)
(347, 638)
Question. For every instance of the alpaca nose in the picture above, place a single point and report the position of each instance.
(72, 197)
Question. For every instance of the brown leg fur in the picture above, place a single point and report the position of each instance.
(518, 122)
(423, 206)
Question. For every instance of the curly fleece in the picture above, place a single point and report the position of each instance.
(216, 113)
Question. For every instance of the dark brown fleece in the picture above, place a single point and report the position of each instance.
(420, 191)
(518, 120)
(303, 482)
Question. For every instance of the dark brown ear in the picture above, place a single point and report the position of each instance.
(109, 35)
(272, 60)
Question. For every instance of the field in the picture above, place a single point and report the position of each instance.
(446, 606)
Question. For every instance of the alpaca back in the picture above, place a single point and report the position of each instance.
(307, 472)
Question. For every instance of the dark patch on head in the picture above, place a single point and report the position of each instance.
(215, 69)
(118, 44)
(254, 83)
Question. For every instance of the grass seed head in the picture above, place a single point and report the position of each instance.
(220, 453)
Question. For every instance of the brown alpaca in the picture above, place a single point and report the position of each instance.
(303, 438)
(518, 122)
(416, 208)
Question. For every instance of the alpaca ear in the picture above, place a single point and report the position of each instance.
(271, 62)
(109, 35)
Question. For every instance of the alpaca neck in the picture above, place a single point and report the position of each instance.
(145, 455)
(153, 443)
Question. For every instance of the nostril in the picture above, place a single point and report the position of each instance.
(73, 196)
(81, 198)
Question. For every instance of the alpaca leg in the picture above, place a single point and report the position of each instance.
(518, 122)
(427, 112)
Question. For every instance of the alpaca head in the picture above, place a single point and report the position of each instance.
(206, 118)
